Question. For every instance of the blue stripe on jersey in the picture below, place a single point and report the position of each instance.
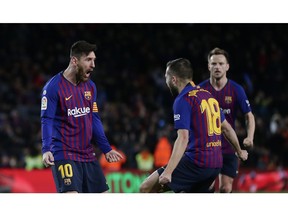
(231, 98)
(188, 115)
(71, 108)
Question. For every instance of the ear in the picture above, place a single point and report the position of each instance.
(174, 80)
(227, 67)
(74, 60)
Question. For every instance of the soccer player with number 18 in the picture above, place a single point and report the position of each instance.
(196, 158)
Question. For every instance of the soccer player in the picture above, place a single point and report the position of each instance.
(70, 122)
(231, 98)
(196, 157)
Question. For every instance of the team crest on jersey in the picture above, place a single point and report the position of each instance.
(67, 181)
(87, 95)
(44, 103)
(228, 99)
(95, 108)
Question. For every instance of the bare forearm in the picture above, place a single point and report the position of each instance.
(231, 136)
(250, 125)
(177, 153)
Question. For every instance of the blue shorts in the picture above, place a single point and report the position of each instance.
(83, 177)
(230, 165)
(190, 178)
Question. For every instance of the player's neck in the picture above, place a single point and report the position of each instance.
(218, 84)
(182, 85)
(69, 75)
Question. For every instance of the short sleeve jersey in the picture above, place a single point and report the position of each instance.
(231, 98)
(196, 110)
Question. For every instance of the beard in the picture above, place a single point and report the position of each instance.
(80, 75)
(173, 90)
(218, 76)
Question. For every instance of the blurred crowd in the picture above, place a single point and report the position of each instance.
(134, 102)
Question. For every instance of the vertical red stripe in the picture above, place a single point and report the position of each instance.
(203, 133)
(62, 109)
(68, 92)
(81, 124)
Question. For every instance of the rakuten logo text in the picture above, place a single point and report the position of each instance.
(77, 112)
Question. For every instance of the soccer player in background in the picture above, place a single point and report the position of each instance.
(231, 97)
(70, 122)
(196, 157)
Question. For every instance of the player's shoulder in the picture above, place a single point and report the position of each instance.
(91, 82)
(91, 85)
(234, 83)
(184, 94)
(180, 97)
(238, 90)
(179, 102)
(52, 82)
(204, 83)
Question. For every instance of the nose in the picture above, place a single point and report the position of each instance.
(217, 66)
(93, 64)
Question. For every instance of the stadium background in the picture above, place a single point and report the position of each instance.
(134, 102)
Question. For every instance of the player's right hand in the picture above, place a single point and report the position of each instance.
(48, 159)
(165, 178)
(242, 155)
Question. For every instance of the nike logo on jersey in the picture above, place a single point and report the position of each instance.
(68, 98)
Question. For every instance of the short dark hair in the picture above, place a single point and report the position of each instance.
(181, 67)
(81, 47)
(218, 51)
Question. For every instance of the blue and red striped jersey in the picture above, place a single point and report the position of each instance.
(196, 110)
(70, 120)
(231, 98)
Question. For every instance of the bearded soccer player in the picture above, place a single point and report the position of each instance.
(196, 157)
(70, 122)
(231, 97)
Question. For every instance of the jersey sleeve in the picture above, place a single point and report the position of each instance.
(97, 128)
(49, 100)
(242, 100)
(222, 116)
(182, 114)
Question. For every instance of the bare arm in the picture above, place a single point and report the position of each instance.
(250, 128)
(231, 136)
(179, 148)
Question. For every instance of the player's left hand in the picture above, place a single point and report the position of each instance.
(248, 143)
(113, 156)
